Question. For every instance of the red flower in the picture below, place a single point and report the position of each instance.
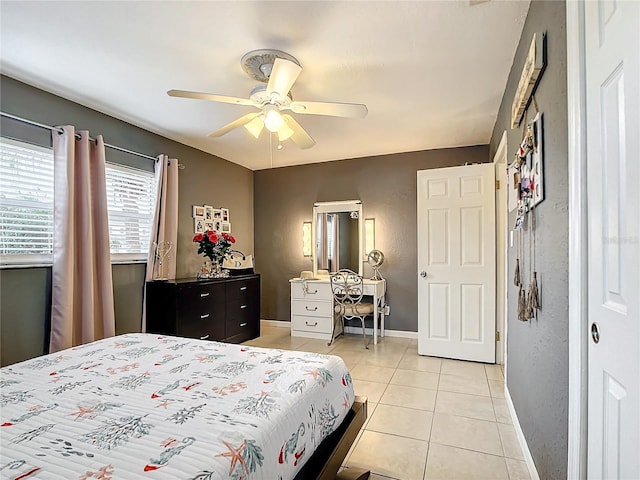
(225, 235)
(198, 238)
(232, 239)
(213, 238)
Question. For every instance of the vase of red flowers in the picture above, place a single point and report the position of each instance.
(213, 246)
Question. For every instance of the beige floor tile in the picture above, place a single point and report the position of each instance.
(497, 388)
(502, 410)
(463, 405)
(510, 442)
(410, 397)
(463, 369)
(372, 390)
(412, 361)
(445, 462)
(405, 422)
(350, 358)
(517, 469)
(494, 372)
(469, 385)
(372, 373)
(413, 378)
(383, 454)
(468, 433)
(316, 346)
(389, 360)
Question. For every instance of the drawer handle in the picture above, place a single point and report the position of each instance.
(310, 309)
(315, 324)
(243, 288)
(204, 338)
(243, 324)
(206, 315)
(309, 292)
(243, 306)
(205, 294)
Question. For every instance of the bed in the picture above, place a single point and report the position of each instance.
(159, 407)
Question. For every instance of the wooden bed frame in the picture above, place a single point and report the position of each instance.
(330, 454)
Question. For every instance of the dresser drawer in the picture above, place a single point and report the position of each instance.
(311, 308)
(217, 309)
(311, 324)
(319, 291)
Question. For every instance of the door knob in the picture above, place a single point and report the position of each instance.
(424, 274)
(595, 332)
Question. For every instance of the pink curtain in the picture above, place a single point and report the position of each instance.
(82, 307)
(165, 224)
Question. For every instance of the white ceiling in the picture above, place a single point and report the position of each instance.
(432, 73)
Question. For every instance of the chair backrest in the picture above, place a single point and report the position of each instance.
(346, 286)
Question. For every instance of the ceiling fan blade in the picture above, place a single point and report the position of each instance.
(300, 137)
(210, 96)
(349, 110)
(235, 124)
(283, 76)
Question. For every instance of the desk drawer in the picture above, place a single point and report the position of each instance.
(311, 324)
(311, 308)
(314, 290)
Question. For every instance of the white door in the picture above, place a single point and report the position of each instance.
(612, 59)
(456, 262)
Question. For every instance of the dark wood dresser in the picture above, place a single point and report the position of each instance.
(223, 309)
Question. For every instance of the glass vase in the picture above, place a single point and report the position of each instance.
(212, 269)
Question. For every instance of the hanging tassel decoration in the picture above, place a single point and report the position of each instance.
(516, 277)
(522, 304)
(534, 295)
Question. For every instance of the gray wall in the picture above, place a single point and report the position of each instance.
(24, 293)
(537, 351)
(284, 198)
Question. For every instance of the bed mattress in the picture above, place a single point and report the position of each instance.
(160, 407)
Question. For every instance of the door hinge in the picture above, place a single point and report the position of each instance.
(497, 184)
(497, 336)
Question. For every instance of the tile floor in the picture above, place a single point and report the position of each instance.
(429, 418)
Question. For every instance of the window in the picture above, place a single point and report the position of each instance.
(26, 207)
(131, 197)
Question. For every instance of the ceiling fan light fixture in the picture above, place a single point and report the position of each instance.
(255, 126)
(272, 118)
(285, 132)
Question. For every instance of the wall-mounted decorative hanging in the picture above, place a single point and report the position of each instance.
(205, 217)
(531, 73)
(526, 173)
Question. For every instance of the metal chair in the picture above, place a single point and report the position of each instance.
(347, 289)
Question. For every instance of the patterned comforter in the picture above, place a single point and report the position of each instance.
(157, 407)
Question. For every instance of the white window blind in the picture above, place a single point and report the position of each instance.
(26, 207)
(131, 199)
(26, 203)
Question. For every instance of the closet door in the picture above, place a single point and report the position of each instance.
(457, 262)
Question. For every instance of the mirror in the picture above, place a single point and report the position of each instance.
(337, 234)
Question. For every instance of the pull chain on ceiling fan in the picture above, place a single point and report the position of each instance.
(279, 71)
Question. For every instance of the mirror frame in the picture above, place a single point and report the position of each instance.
(336, 207)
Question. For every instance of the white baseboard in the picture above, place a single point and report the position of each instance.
(355, 330)
(520, 434)
(275, 323)
(387, 333)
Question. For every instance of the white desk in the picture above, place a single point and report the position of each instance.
(312, 307)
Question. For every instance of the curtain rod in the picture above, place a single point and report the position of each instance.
(59, 130)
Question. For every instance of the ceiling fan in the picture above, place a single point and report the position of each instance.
(279, 71)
